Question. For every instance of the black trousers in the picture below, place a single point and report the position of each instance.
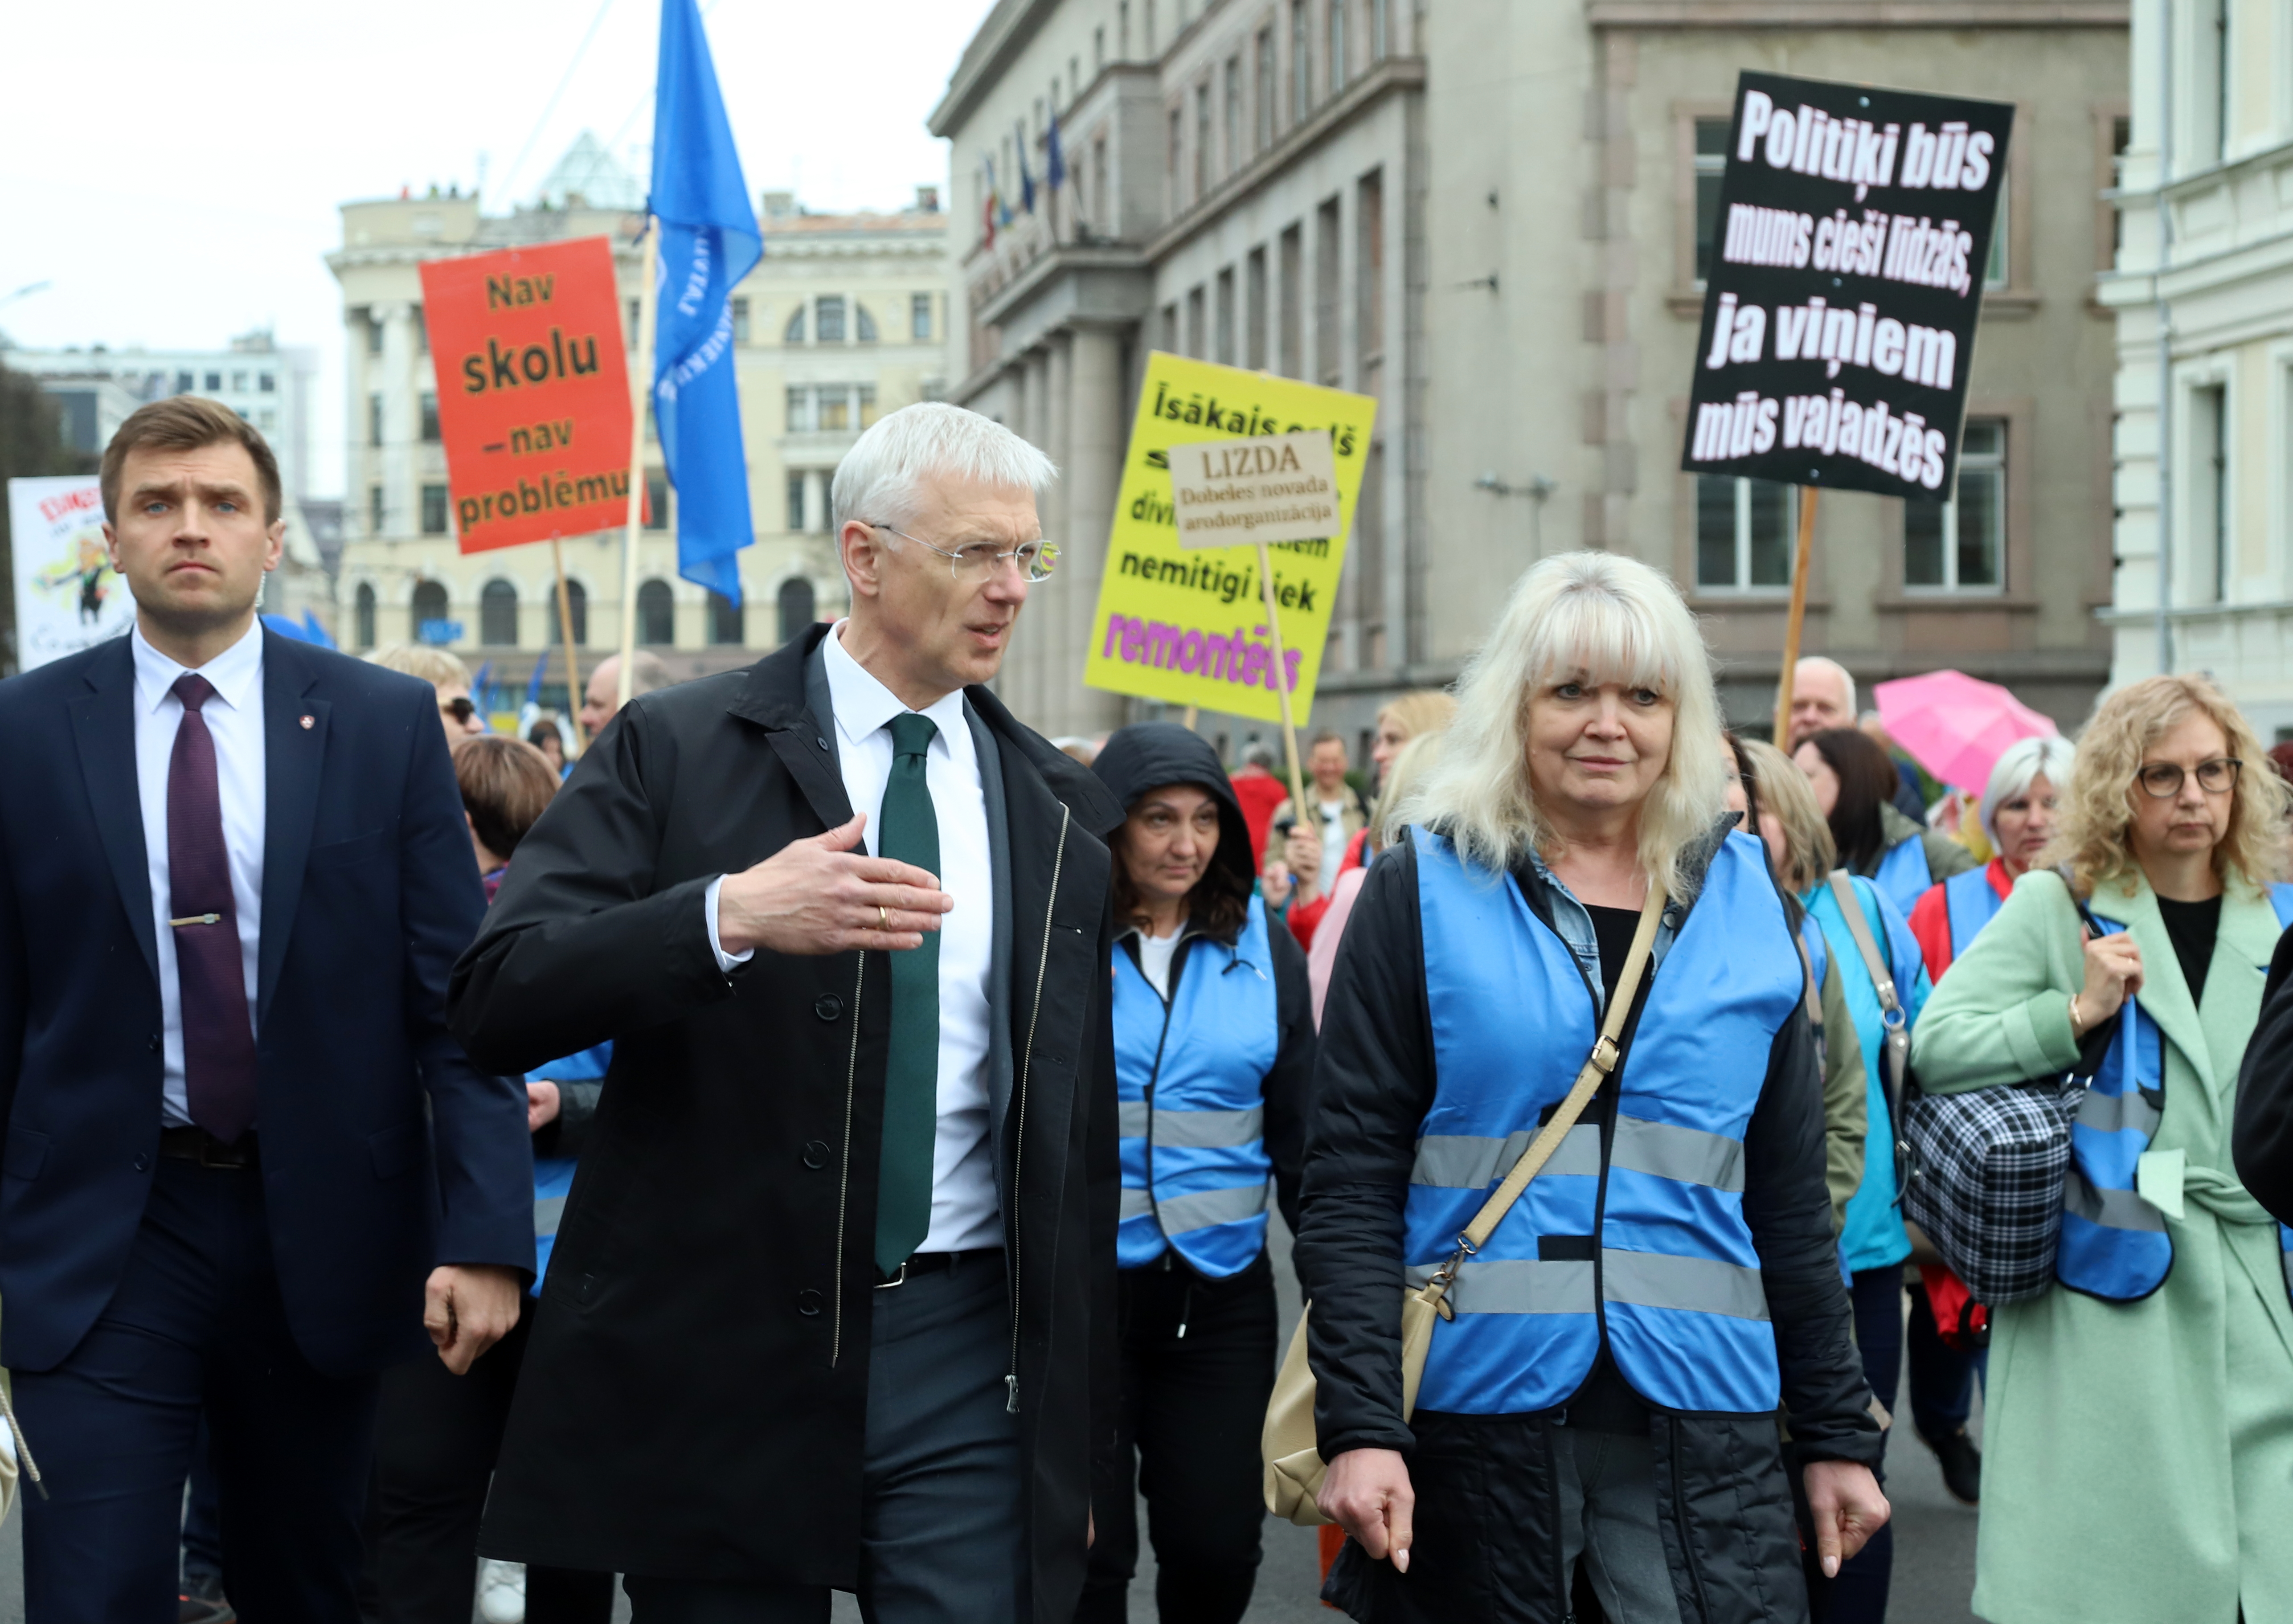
(196, 1326)
(1858, 1595)
(1198, 1360)
(435, 1449)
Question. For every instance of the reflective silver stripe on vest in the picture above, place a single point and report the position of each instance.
(2111, 1208)
(1515, 1285)
(1137, 1204)
(1131, 1119)
(1208, 1130)
(2112, 1113)
(1687, 1155)
(1205, 1207)
(1473, 1161)
(548, 1213)
(1655, 1279)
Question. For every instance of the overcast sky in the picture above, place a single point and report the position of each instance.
(173, 171)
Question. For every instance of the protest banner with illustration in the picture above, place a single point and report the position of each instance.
(1188, 626)
(533, 391)
(1853, 230)
(68, 595)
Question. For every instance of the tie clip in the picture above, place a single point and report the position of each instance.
(197, 920)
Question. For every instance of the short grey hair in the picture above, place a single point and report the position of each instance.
(2025, 761)
(881, 477)
(1817, 662)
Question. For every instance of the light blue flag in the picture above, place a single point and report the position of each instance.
(709, 241)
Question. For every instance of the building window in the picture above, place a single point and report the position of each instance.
(1743, 533)
(1961, 546)
(1170, 167)
(637, 315)
(577, 598)
(239, 383)
(1222, 351)
(1233, 114)
(656, 615)
(794, 333)
(1329, 362)
(1994, 268)
(1290, 358)
(1302, 62)
(739, 321)
(433, 510)
(429, 419)
(1267, 92)
(1381, 30)
(421, 324)
(2213, 78)
(796, 502)
(1202, 140)
(919, 323)
(185, 382)
(831, 407)
(800, 410)
(797, 609)
(1098, 183)
(373, 346)
(431, 609)
(1194, 337)
(498, 615)
(1369, 281)
(1150, 28)
(867, 324)
(1253, 306)
(866, 394)
(1168, 342)
(266, 384)
(1711, 163)
(2208, 503)
(828, 319)
(362, 616)
(656, 500)
(214, 383)
(1338, 45)
(1099, 47)
(374, 419)
(374, 510)
(727, 626)
(1122, 30)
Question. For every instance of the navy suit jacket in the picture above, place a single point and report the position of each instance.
(370, 892)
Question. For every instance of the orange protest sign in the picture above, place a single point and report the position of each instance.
(533, 391)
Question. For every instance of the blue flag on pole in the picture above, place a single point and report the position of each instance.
(533, 683)
(1026, 180)
(1055, 159)
(709, 241)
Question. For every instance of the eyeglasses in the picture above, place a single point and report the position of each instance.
(461, 709)
(981, 560)
(2161, 780)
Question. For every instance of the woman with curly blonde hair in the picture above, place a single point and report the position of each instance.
(2139, 1438)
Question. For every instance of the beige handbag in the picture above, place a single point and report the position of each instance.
(1294, 1467)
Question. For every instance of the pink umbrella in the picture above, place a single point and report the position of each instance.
(1956, 726)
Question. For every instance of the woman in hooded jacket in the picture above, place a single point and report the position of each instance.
(1214, 1049)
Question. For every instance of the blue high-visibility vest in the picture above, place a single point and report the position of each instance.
(1972, 902)
(1190, 1079)
(553, 1175)
(1903, 875)
(1650, 1243)
(2114, 1244)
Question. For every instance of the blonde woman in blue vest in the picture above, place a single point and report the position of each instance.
(1606, 1393)
(2138, 1432)
(1213, 1051)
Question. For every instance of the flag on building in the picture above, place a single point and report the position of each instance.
(987, 209)
(1054, 160)
(1026, 180)
(709, 241)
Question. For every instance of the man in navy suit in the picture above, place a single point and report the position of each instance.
(233, 876)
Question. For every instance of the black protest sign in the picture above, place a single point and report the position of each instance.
(1846, 278)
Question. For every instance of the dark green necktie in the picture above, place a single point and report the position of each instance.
(907, 831)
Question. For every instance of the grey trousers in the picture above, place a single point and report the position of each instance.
(943, 1525)
(1607, 1520)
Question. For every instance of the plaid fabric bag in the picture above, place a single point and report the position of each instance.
(1984, 1179)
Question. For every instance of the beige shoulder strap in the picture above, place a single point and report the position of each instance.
(1850, 907)
(1596, 1066)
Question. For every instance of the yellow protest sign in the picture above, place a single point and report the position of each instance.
(1188, 626)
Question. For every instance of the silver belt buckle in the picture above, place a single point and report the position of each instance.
(899, 1277)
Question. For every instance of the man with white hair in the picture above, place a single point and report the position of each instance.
(829, 1305)
(1823, 696)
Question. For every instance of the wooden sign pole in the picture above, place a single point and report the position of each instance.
(1282, 680)
(640, 399)
(572, 663)
(1798, 615)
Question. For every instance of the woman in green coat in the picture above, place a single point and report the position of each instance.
(2138, 1450)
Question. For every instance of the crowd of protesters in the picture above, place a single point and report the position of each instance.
(831, 1136)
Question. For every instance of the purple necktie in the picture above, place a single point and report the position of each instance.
(218, 1040)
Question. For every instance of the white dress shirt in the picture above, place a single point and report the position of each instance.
(964, 1215)
(234, 718)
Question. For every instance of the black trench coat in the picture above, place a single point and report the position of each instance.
(694, 1400)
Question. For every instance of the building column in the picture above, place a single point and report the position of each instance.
(1096, 433)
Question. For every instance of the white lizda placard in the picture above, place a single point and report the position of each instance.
(68, 595)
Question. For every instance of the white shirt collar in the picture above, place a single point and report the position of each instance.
(234, 671)
(863, 704)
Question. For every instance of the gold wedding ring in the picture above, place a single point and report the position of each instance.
(883, 919)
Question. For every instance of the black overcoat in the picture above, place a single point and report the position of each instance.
(694, 1400)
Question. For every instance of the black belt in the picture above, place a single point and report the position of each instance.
(926, 1263)
(196, 1145)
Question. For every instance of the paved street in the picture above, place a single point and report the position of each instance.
(1934, 1541)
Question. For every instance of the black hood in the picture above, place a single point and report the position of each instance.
(1147, 756)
